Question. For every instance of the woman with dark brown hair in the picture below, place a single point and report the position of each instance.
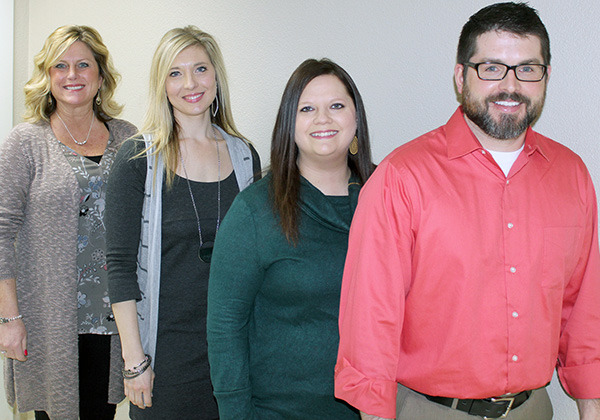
(277, 265)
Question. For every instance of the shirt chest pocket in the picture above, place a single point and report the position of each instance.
(562, 251)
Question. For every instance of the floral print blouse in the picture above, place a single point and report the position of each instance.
(94, 311)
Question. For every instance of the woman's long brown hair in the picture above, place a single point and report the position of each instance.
(285, 175)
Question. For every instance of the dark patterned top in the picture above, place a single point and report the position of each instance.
(94, 312)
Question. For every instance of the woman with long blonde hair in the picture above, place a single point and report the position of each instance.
(172, 187)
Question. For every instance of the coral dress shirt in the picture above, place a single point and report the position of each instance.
(462, 282)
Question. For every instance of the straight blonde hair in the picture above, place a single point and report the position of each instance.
(159, 120)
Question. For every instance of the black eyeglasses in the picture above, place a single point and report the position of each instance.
(498, 71)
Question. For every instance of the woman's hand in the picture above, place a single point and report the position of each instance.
(139, 389)
(13, 340)
(13, 336)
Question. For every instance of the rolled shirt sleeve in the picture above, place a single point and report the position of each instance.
(376, 277)
(579, 358)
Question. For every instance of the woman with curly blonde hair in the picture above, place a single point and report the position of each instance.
(180, 175)
(57, 330)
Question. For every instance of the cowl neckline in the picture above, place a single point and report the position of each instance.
(320, 207)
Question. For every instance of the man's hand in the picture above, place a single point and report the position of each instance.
(589, 409)
(13, 340)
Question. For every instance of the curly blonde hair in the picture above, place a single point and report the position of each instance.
(39, 102)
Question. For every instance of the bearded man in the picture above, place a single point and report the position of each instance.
(473, 268)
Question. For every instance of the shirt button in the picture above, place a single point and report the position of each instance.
(515, 314)
(513, 269)
(510, 225)
(507, 182)
(483, 152)
(515, 358)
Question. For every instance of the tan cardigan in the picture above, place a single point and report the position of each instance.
(39, 209)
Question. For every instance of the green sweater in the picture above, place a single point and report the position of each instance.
(273, 308)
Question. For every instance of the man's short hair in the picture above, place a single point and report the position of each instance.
(517, 18)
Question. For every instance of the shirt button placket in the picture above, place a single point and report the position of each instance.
(512, 287)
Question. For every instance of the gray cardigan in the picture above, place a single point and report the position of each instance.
(149, 253)
(39, 209)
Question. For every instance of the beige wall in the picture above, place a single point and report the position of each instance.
(400, 53)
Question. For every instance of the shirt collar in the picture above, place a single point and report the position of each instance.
(462, 141)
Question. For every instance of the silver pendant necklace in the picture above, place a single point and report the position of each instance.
(206, 248)
(81, 143)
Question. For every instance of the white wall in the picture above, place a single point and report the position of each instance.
(401, 55)
(6, 86)
(6, 70)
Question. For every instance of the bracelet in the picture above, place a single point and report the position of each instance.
(136, 371)
(5, 320)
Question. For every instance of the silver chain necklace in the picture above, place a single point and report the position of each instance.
(81, 143)
(205, 249)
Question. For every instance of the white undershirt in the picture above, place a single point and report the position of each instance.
(505, 160)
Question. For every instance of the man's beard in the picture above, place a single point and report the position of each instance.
(510, 126)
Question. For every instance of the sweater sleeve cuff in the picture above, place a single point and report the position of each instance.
(236, 405)
(581, 382)
(372, 396)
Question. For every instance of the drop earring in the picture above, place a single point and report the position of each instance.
(353, 149)
(214, 112)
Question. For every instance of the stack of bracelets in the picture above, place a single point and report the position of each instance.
(136, 371)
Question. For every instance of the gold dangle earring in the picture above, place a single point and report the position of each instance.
(353, 149)
(98, 98)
